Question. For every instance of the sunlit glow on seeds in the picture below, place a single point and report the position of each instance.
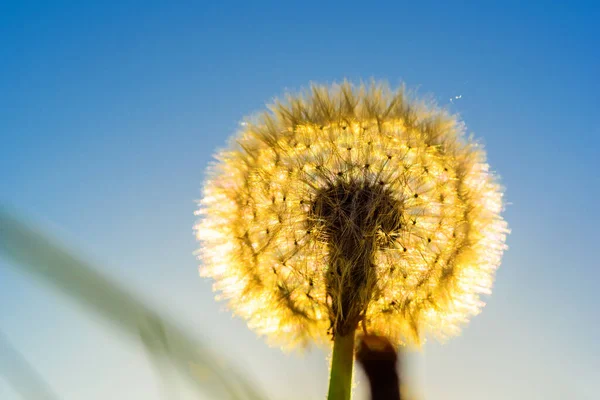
(351, 206)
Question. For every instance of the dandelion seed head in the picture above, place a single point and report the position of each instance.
(351, 204)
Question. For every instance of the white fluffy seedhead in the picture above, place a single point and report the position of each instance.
(350, 205)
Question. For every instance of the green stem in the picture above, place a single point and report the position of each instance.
(340, 377)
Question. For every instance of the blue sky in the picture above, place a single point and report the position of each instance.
(110, 111)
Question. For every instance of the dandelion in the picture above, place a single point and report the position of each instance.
(351, 207)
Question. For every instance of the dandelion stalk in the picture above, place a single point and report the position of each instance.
(346, 206)
(379, 359)
(342, 362)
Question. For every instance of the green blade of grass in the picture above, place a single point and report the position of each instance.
(34, 253)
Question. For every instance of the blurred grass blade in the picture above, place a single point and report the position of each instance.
(34, 253)
(155, 341)
(21, 376)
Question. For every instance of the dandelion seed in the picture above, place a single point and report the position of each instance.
(455, 98)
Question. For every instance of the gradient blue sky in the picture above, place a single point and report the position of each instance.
(109, 113)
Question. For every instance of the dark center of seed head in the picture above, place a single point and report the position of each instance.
(354, 219)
